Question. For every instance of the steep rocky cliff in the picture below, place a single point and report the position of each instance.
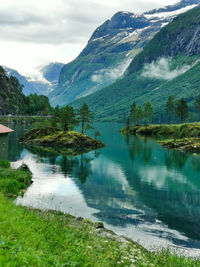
(180, 37)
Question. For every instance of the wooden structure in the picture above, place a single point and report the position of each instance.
(4, 131)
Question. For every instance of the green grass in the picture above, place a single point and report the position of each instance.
(184, 137)
(184, 144)
(31, 237)
(166, 130)
(34, 238)
(13, 181)
(61, 140)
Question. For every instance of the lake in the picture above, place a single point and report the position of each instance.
(133, 185)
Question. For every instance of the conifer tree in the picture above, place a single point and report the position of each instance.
(148, 112)
(55, 117)
(85, 118)
(197, 106)
(181, 109)
(170, 106)
(67, 118)
(136, 113)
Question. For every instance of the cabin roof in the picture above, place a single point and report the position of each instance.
(4, 129)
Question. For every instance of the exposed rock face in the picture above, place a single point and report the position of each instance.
(182, 37)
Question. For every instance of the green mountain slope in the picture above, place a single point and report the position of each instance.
(179, 37)
(168, 65)
(110, 50)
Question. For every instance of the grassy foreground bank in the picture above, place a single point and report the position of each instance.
(184, 137)
(31, 237)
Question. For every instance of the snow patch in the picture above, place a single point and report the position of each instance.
(171, 13)
(97, 39)
(164, 24)
(136, 32)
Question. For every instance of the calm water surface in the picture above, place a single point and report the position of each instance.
(133, 185)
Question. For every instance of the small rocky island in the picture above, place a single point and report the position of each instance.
(57, 139)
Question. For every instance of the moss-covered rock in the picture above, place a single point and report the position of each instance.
(61, 140)
(184, 137)
(183, 130)
(187, 145)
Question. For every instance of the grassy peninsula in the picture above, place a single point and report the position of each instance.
(184, 137)
(31, 237)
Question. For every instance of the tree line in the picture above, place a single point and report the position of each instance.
(67, 118)
(37, 105)
(179, 107)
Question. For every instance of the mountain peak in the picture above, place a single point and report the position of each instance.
(119, 22)
(177, 6)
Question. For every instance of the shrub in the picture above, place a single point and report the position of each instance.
(4, 164)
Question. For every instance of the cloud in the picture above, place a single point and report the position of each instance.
(34, 24)
(161, 70)
(60, 21)
(111, 73)
(28, 59)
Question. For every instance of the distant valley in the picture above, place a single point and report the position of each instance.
(50, 73)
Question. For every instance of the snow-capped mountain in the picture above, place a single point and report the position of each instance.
(168, 65)
(29, 88)
(50, 74)
(110, 50)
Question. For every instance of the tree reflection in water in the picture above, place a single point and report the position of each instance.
(175, 159)
(139, 147)
(78, 166)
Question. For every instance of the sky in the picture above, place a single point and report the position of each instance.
(34, 33)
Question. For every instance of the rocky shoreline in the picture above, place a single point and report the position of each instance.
(184, 137)
(191, 145)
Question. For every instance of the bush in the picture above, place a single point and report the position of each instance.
(4, 164)
(12, 187)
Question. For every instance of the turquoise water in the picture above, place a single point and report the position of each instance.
(133, 185)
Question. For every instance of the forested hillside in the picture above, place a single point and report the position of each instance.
(12, 100)
(168, 65)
